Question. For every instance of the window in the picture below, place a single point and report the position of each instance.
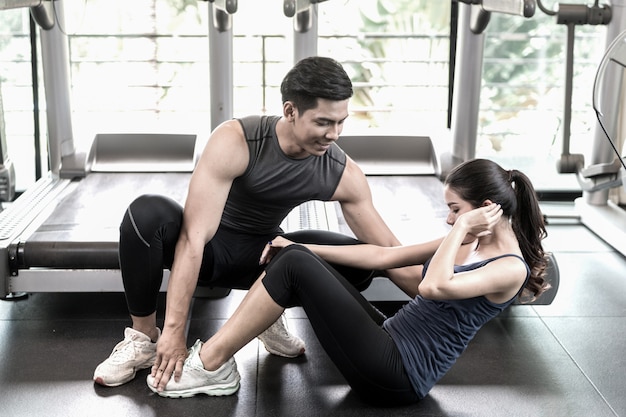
(142, 65)
(523, 95)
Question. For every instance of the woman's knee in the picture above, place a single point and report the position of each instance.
(298, 267)
(290, 269)
(321, 237)
(293, 255)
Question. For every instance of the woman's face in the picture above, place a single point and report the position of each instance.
(456, 207)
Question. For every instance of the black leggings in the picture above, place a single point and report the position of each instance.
(346, 324)
(148, 235)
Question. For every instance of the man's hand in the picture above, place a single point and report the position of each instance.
(272, 248)
(171, 355)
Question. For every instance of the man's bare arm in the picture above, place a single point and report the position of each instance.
(355, 197)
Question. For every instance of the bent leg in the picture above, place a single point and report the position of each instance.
(347, 326)
(359, 278)
(254, 315)
(148, 235)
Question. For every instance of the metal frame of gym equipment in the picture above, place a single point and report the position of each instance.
(474, 16)
(605, 171)
(48, 239)
(594, 209)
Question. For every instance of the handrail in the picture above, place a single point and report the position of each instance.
(14, 4)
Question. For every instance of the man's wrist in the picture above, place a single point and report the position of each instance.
(173, 326)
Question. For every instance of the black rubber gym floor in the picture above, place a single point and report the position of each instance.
(565, 359)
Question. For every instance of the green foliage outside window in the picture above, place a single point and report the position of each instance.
(142, 65)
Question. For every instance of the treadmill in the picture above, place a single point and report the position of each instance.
(62, 235)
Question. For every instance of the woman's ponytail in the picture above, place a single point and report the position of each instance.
(529, 227)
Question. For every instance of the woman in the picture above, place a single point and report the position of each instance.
(492, 253)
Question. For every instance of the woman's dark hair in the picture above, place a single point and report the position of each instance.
(312, 78)
(479, 180)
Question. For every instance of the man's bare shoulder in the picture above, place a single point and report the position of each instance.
(230, 130)
(226, 148)
(353, 185)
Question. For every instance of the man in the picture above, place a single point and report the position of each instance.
(251, 174)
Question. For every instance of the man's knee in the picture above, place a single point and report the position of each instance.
(156, 205)
(151, 211)
(153, 206)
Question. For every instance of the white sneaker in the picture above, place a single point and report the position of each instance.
(197, 380)
(133, 353)
(278, 340)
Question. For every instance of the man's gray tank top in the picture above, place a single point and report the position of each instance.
(273, 184)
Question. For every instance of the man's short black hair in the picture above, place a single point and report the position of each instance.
(315, 77)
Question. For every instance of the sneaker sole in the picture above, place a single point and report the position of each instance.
(214, 391)
(283, 354)
(100, 381)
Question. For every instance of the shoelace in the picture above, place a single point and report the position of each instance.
(283, 328)
(123, 351)
(190, 354)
